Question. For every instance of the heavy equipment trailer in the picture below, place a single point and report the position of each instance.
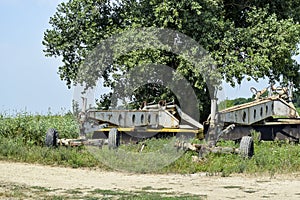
(156, 120)
(274, 117)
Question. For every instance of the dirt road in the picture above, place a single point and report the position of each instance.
(212, 187)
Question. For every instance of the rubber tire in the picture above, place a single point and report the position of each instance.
(113, 138)
(246, 147)
(51, 138)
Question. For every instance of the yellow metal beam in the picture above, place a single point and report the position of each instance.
(164, 130)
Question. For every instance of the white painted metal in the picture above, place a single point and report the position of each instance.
(250, 113)
(133, 118)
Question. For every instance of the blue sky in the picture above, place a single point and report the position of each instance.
(29, 80)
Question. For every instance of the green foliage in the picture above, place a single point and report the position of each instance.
(233, 102)
(78, 25)
(296, 100)
(246, 38)
(282, 9)
(262, 48)
(32, 128)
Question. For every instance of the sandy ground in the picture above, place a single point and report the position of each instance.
(213, 187)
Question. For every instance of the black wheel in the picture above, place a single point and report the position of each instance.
(113, 138)
(247, 147)
(51, 138)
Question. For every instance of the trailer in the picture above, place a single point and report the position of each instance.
(151, 120)
(274, 117)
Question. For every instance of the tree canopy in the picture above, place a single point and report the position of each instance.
(246, 38)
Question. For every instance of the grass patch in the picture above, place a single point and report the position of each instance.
(233, 187)
(155, 196)
(270, 157)
(74, 191)
(43, 189)
(157, 154)
(158, 189)
(22, 137)
(109, 192)
(152, 188)
(12, 191)
(263, 181)
(148, 188)
(16, 150)
(250, 191)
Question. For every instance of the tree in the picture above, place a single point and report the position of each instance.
(77, 27)
(246, 38)
(235, 9)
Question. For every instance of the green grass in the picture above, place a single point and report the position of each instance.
(270, 157)
(13, 191)
(16, 150)
(156, 155)
(32, 128)
(22, 137)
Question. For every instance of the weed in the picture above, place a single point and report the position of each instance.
(22, 138)
(31, 129)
